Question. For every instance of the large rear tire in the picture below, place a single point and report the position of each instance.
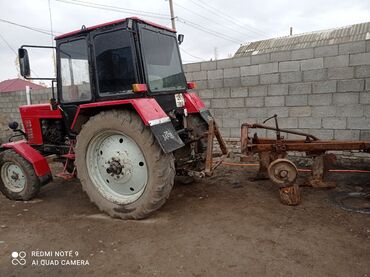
(121, 166)
(18, 180)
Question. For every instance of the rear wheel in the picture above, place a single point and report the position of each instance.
(18, 180)
(121, 166)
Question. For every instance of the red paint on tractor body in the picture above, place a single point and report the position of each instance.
(38, 161)
(31, 117)
(113, 23)
(147, 108)
(193, 103)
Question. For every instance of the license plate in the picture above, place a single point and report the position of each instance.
(180, 101)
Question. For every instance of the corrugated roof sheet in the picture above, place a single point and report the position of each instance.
(350, 33)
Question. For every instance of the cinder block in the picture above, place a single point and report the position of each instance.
(218, 103)
(347, 134)
(235, 133)
(340, 73)
(199, 75)
(352, 47)
(291, 77)
(320, 99)
(368, 46)
(231, 72)
(190, 67)
(324, 86)
(206, 93)
(327, 50)
(280, 111)
(323, 134)
(225, 132)
(296, 100)
(278, 89)
(233, 62)
(274, 101)
(299, 111)
(249, 70)
(351, 85)
(334, 123)
(258, 59)
(362, 71)
(300, 88)
(232, 82)
(230, 122)
(250, 81)
(365, 97)
(206, 66)
(301, 54)
(360, 123)
(367, 87)
(367, 110)
(207, 102)
(221, 93)
(254, 102)
(189, 76)
(345, 98)
(215, 74)
(288, 123)
(288, 66)
(350, 110)
(256, 113)
(364, 135)
(235, 102)
(359, 59)
(219, 83)
(272, 78)
(315, 75)
(202, 84)
(309, 122)
(257, 91)
(268, 68)
(312, 64)
(239, 92)
(336, 61)
(280, 56)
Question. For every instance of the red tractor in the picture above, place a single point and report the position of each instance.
(122, 120)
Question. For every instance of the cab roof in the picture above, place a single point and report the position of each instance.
(88, 29)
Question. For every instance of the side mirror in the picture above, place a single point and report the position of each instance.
(180, 38)
(13, 125)
(24, 62)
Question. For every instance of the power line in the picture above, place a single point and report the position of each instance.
(208, 31)
(14, 51)
(211, 20)
(188, 53)
(225, 16)
(115, 8)
(39, 30)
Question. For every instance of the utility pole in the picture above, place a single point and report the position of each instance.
(172, 15)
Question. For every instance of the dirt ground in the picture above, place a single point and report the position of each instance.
(226, 225)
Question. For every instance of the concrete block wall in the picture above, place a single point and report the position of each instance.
(9, 103)
(323, 90)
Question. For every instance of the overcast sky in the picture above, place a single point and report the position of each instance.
(211, 28)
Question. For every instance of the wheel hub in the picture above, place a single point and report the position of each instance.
(117, 167)
(13, 176)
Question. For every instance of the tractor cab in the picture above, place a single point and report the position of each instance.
(123, 59)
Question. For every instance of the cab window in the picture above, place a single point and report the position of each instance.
(74, 68)
(114, 62)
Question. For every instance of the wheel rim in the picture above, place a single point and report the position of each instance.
(117, 167)
(13, 177)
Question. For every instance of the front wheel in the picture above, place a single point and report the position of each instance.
(121, 166)
(18, 180)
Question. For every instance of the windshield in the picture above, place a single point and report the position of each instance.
(162, 60)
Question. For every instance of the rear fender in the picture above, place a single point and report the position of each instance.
(194, 104)
(149, 111)
(39, 163)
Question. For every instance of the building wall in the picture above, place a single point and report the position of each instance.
(9, 103)
(322, 90)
